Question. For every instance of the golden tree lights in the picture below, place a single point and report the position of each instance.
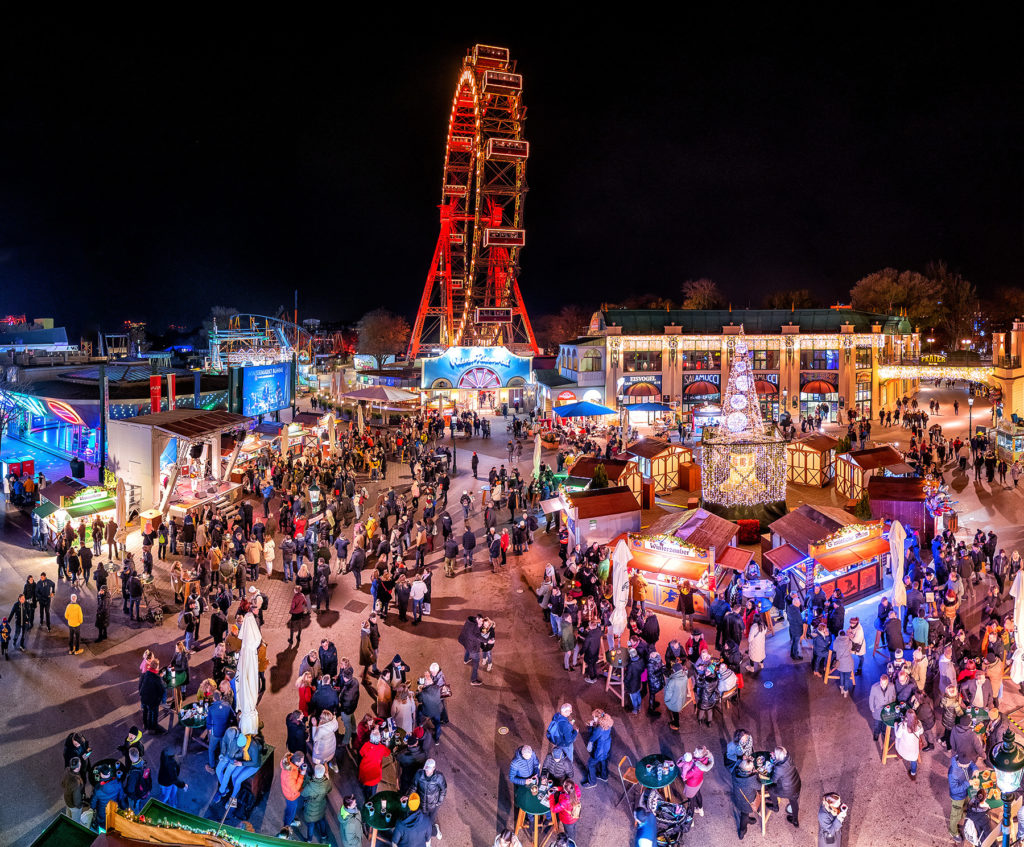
(743, 459)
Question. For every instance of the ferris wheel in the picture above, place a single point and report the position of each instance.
(471, 296)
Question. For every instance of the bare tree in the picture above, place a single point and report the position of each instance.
(959, 301)
(702, 294)
(221, 315)
(382, 333)
(793, 298)
(570, 322)
(889, 292)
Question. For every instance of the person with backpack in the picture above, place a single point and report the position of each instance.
(568, 807)
(138, 780)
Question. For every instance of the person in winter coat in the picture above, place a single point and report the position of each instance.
(74, 789)
(881, 695)
(858, 645)
(314, 809)
(369, 641)
(756, 644)
(350, 824)
(655, 681)
(432, 788)
(787, 783)
(676, 693)
(950, 707)
(692, 768)
(414, 830)
(324, 741)
(169, 777)
(705, 691)
(151, 695)
(745, 793)
(965, 743)
(633, 676)
(831, 817)
(108, 788)
(524, 768)
(819, 647)
(843, 648)
(599, 745)
(371, 756)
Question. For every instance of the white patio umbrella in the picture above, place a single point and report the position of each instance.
(536, 456)
(330, 432)
(381, 394)
(620, 588)
(1017, 664)
(120, 516)
(898, 535)
(359, 418)
(248, 676)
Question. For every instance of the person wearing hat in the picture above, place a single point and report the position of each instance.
(432, 788)
(965, 742)
(692, 769)
(414, 830)
(138, 780)
(314, 796)
(410, 758)
(108, 788)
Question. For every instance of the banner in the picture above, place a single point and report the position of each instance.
(195, 390)
(172, 397)
(154, 393)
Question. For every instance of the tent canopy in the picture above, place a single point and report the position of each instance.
(583, 409)
(381, 394)
(649, 407)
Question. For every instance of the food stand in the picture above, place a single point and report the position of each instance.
(620, 472)
(853, 470)
(659, 460)
(811, 460)
(692, 545)
(819, 545)
(68, 500)
(596, 517)
(913, 501)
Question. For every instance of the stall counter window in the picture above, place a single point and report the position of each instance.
(664, 561)
(850, 560)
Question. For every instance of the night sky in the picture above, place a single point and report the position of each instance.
(150, 175)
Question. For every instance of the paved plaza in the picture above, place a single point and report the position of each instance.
(47, 693)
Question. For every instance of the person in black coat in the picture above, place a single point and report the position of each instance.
(591, 652)
(431, 704)
(650, 631)
(468, 546)
(151, 695)
(733, 626)
(633, 679)
(296, 727)
(328, 658)
(745, 793)
(787, 783)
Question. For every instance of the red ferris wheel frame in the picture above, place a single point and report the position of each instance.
(471, 296)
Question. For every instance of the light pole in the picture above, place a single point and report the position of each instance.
(1007, 758)
(970, 418)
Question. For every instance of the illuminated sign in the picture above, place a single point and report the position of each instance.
(847, 535)
(493, 316)
(63, 411)
(666, 544)
(566, 397)
(702, 376)
(458, 362)
(504, 237)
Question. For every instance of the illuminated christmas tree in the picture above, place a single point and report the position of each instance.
(743, 464)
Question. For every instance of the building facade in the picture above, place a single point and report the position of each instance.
(804, 361)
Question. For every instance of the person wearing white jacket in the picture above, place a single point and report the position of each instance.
(859, 649)
(324, 742)
(756, 644)
(269, 551)
(908, 741)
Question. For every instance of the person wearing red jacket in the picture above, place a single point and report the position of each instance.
(568, 807)
(371, 758)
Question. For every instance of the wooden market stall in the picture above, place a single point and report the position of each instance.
(692, 545)
(596, 517)
(914, 502)
(853, 470)
(620, 472)
(820, 545)
(811, 460)
(659, 460)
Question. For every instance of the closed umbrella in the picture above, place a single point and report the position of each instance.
(359, 418)
(330, 432)
(120, 516)
(248, 676)
(897, 537)
(620, 588)
(536, 456)
(1016, 591)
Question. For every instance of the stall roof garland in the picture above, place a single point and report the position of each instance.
(846, 534)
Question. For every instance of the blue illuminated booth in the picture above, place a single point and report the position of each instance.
(479, 378)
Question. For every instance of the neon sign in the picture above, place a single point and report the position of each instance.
(847, 535)
(63, 411)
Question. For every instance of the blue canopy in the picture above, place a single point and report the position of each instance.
(583, 409)
(648, 407)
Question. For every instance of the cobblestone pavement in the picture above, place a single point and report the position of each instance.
(47, 693)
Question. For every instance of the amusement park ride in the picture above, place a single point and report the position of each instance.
(471, 297)
(258, 340)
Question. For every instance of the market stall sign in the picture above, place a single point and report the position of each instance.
(847, 535)
(666, 544)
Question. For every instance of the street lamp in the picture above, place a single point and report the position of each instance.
(1007, 758)
(970, 417)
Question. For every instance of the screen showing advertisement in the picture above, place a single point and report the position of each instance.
(266, 388)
